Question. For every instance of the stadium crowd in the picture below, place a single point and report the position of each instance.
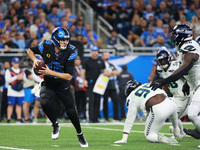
(147, 23)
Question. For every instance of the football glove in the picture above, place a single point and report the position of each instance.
(186, 89)
(157, 84)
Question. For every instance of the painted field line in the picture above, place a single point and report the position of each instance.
(3, 147)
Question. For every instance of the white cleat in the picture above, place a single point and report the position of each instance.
(56, 130)
(164, 139)
(171, 129)
(82, 140)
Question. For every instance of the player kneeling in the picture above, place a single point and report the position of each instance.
(155, 105)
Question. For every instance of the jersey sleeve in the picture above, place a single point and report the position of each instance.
(131, 115)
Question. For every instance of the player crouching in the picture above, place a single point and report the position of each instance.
(155, 105)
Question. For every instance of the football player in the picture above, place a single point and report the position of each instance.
(155, 105)
(58, 55)
(189, 52)
(165, 68)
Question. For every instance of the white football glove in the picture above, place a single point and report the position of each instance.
(121, 141)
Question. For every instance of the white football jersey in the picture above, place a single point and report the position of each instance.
(193, 76)
(176, 86)
(141, 95)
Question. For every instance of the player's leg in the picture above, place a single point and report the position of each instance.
(156, 119)
(68, 101)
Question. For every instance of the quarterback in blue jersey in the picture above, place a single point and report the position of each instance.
(58, 55)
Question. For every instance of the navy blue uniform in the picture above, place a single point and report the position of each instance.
(53, 87)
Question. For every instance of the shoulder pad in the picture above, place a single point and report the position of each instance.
(187, 48)
(73, 55)
(72, 47)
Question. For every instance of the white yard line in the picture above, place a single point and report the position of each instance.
(3, 147)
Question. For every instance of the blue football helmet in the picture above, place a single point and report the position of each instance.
(163, 58)
(130, 86)
(58, 34)
(181, 33)
(198, 40)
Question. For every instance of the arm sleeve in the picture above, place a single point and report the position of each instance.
(131, 115)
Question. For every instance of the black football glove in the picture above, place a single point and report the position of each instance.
(157, 84)
(186, 89)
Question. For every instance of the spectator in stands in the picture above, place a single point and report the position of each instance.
(195, 24)
(148, 12)
(191, 12)
(92, 40)
(61, 9)
(160, 41)
(172, 24)
(148, 38)
(53, 16)
(72, 31)
(11, 13)
(113, 41)
(2, 21)
(172, 9)
(47, 34)
(14, 79)
(154, 5)
(85, 42)
(34, 27)
(41, 4)
(182, 20)
(167, 18)
(161, 10)
(47, 10)
(10, 44)
(33, 8)
(33, 35)
(80, 28)
(30, 17)
(137, 9)
(3, 8)
(111, 90)
(159, 27)
(91, 70)
(122, 79)
(54, 3)
(80, 90)
(17, 6)
(138, 27)
(27, 33)
(21, 26)
(111, 13)
(20, 42)
(166, 34)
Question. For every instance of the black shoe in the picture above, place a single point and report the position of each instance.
(28, 121)
(8, 121)
(82, 140)
(56, 130)
(194, 133)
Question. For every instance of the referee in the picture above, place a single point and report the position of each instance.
(92, 68)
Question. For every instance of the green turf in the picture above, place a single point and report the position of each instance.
(99, 137)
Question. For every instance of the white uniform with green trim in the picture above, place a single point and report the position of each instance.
(155, 117)
(193, 79)
(176, 88)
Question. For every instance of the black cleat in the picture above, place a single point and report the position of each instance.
(82, 140)
(56, 130)
(194, 133)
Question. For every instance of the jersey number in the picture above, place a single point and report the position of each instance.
(173, 85)
(141, 92)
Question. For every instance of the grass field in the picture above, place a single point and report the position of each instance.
(99, 137)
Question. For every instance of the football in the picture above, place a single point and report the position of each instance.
(41, 64)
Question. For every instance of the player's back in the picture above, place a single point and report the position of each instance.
(142, 94)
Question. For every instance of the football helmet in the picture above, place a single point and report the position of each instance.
(197, 40)
(181, 33)
(130, 86)
(163, 58)
(58, 34)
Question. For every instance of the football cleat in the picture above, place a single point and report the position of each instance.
(56, 130)
(194, 133)
(82, 140)
(164, 139)
(171, 129)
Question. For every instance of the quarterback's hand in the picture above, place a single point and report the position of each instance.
(121, 141)
(157, 84)
(186, 89)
